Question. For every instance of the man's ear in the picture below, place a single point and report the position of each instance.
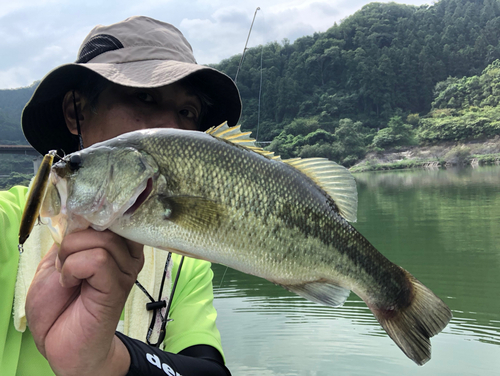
(68, 107)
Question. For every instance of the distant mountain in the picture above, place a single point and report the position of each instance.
(12, 102)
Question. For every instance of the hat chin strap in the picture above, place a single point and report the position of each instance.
(78, 129)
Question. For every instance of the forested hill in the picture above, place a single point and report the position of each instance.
(383, 58)
(367, 82)
(383, 61)
(11, 106)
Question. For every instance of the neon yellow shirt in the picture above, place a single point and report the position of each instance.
(192, 310)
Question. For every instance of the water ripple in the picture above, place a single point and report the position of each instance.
(295, 310)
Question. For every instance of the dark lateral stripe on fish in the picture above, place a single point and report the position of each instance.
(351, 243)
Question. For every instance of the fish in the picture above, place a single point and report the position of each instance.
(35, 198)
(217, 196)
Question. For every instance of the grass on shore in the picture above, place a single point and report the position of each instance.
(474, 153)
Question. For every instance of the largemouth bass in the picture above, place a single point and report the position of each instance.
(216, 196)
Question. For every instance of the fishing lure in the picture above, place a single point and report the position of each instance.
(35, 199)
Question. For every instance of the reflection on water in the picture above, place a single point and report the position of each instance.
(480, 176)
(443, 226)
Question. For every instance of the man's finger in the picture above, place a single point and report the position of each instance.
(127, 255)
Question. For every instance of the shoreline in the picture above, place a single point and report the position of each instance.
(473, 153)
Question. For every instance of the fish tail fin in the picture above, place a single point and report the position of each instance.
(412, 326)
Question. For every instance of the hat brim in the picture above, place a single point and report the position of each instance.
(43, 122)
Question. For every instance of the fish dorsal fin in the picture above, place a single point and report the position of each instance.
(334, 179)
(235, 136)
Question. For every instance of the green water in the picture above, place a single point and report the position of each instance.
(441, 225)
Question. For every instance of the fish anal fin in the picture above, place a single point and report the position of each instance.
(334, 179)
(412, 326)
(321, 292)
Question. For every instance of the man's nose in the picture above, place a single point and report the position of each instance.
(167, 118)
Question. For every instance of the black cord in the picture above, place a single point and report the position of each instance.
(157, 305)
(78, 129)
(164, 322)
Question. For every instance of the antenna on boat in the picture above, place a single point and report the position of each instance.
(244, 50)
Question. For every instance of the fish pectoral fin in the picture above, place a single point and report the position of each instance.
(321, 292)
(192, 212)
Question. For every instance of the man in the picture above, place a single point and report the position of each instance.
(136, 74)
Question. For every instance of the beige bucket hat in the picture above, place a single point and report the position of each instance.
(137, 52)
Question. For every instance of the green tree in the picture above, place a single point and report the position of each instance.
(397, 133)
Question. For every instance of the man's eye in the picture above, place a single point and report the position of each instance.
(145, 97)
(189, 113)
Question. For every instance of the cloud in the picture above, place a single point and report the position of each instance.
(231, 15)
(205, 35)
(9, 7)
(16, 77)
(38, 35)
(224, 32)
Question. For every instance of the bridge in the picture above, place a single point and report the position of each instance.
(23, 149)
(18, 149)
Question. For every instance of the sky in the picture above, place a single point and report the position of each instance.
(38, 35)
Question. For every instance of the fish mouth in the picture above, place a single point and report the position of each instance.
(141, 198)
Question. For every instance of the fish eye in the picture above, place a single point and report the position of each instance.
(74, 162)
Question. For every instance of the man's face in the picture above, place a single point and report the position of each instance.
(123, 109)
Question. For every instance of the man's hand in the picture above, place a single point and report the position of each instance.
(75, 301)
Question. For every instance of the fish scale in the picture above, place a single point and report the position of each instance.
(216, 196)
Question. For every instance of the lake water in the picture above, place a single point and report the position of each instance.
(441, 225)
